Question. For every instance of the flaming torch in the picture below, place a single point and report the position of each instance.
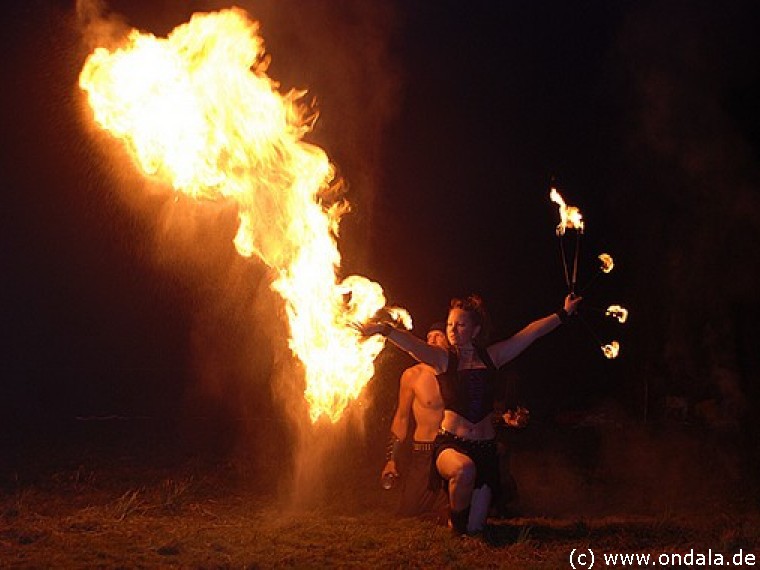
(570, 218)
(196, 111)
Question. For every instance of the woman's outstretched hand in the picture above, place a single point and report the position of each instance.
(370, 328)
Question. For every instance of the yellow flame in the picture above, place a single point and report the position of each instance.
(197, 111)
(570, 216)
(611, 350)
(607, 262)
(401, 317)
(617, 312)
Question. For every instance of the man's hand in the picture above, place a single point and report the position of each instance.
(390, 468)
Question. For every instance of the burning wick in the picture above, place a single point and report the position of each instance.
(607, 265)
(397, 316)
(617, 312)
(570, 218)
(400, 316)
(607, 262)
(611, 350)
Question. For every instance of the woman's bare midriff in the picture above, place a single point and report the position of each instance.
(462, 427)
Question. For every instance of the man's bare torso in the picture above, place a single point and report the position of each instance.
(427, 405)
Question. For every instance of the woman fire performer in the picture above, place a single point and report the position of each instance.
(465, 448)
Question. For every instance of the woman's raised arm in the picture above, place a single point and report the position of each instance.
(420, 350)
(506, 350)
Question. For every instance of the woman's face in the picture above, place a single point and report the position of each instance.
(460, 328)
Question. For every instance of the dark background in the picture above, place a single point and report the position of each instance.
(449, 120)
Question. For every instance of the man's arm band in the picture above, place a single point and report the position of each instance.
(392, 448)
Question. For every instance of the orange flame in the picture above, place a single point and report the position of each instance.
(607, 262)
(400, 317)
(197, 111)
(617, 312)
(570, 216)
(611, 350)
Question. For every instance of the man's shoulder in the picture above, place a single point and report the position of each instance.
(418, 371)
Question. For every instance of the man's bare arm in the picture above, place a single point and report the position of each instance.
(400, 424)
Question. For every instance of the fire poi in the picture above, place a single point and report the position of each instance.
(196, 111)
(612, 349)
(572, 219)
(608, 263)
(617, 312)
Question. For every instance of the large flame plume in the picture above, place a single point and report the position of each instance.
(197, 111)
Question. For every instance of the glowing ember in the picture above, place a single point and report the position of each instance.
(617, 312)
(570, 216)
(197, 111)
(607, 262)
(611, 350)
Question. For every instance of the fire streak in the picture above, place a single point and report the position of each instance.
(617, 312)
(611, 350)
(570, 216)
(197, 111)
(607, 262)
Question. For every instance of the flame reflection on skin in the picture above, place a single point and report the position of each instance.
(197, 112)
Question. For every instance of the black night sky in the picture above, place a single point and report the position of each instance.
(449, 120)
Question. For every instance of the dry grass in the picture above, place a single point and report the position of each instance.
(125, 505)
(201, 521)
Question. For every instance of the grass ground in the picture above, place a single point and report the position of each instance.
(121, 510)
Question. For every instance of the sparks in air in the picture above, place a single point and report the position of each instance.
(196, 111)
